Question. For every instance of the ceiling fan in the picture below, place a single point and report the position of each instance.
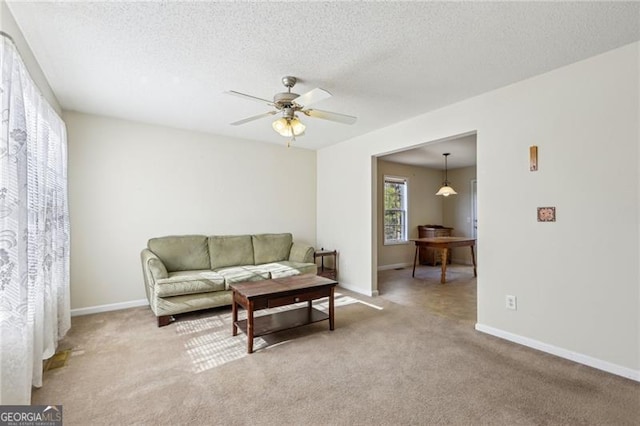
(289, 104)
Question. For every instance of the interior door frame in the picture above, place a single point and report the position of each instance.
(474, 208)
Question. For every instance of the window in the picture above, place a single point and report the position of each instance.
(395, 210)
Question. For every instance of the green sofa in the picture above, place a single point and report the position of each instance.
(191, 272)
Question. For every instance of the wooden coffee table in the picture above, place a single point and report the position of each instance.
(253, 296)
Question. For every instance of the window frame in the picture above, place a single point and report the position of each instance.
(404, 237)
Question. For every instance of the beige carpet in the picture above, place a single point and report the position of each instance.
(395, 359)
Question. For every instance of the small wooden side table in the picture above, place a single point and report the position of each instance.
(325, 270)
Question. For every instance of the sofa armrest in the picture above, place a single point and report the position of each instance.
(301, 253)
(152, 269)
(154, 265)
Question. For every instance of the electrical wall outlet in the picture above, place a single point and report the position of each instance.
(511, 303)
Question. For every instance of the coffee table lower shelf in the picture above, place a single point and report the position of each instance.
(279, 321)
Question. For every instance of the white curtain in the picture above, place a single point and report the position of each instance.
(34, 230)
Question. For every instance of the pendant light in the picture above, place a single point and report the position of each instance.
(445, 190)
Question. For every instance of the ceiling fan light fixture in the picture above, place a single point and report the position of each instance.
(289, 127)
(445, 190)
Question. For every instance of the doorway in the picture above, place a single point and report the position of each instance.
(423, 167)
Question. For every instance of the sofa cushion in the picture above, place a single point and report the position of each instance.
(269, 248)
(189, 282)
(230, 250)
(258, 270)
(182, 253)
(286, 268)
(238, 274)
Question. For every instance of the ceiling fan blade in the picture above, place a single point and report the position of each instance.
(312, 96)
(332, 116)
(245, 96)
(255, 117)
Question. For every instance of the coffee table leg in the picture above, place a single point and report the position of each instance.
(443, 277)
(415, 258)
(250, 328)
(234, 311)
(331, 310)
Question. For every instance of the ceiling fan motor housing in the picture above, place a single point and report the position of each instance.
(284, 100)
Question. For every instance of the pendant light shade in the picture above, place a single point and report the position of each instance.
(445, 190)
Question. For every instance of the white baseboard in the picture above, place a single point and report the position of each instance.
(372, 293)
(394, 266)
(109, 307)
(562, 353)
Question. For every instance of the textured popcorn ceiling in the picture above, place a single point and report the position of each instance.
(170, 62)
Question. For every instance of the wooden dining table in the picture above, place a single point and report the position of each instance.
(444, 244)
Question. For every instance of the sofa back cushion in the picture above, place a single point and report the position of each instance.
(269, 248)
(230, 250)
(182, 253)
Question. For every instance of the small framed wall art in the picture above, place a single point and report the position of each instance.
(546, 214)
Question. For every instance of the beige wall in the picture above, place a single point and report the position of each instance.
(457, 210)
(423, 207)
(129, 182)
(577, 296)
(9, 26)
